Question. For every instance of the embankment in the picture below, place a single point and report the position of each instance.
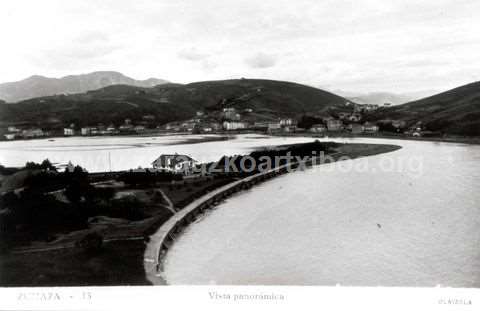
(164, 237)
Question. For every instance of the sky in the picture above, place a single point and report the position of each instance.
(355, 46)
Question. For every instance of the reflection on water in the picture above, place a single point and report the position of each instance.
(328, 225)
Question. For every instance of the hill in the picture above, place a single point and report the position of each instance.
(37, 86)
(170, 102)
(456, 111)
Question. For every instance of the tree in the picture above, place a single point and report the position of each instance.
(90, 243)
(387, 127)
(32, 165)
(306, 122)
(78, 185)
(73, 193)
(47, 165)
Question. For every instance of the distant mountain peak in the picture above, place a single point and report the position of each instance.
(39, 86)
(380, 98)
(35, 77)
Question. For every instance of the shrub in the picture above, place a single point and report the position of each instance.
(45, 165)
(92, 242)
(102, 193)
(8, 170)
(146, 178)
(128, 207)
(78, 190)
(4, 246)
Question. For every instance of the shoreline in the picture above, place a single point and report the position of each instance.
(159, 242)
(122, 261)
(225, 134)
(333, 135)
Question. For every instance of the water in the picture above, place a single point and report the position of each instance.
(406, 218)
(93, 153)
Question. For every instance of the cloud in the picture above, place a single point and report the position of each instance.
(71, 57)
(261, 60)
(192, 54)
(425, 63)
(368, 45)
(208, 65)
(92, 38)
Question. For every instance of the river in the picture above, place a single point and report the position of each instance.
(406, 218)
(100, 154)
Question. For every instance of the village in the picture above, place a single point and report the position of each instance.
(353, 119)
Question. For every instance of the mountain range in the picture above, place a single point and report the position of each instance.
(456, 111)
(38, 86)
(380, 98)
(170, 102)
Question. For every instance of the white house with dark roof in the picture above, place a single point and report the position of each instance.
(175, 163)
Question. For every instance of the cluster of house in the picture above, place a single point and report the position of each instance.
(285, 125)
(336, 125)
(194, 125)
(232, 121)
(365, 107)
(418, 130)
(343, 121)
(349, 121)
(126, 128)
(16, 133)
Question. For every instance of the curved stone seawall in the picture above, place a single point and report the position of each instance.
(163, 238)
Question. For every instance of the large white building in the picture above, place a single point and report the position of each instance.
(288, 122)
(85, 131)
(68, 132)
(234, 125)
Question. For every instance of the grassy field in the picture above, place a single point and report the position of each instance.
(117, 263)
(181, 195)
(364, 150)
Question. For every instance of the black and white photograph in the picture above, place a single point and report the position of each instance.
(239, 153)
